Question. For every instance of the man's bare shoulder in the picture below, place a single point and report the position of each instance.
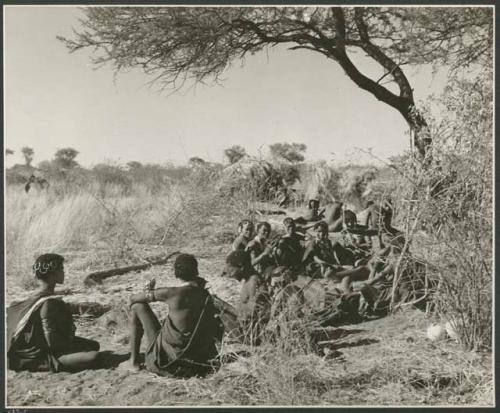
(176, 292)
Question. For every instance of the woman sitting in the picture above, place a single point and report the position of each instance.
(40, 330)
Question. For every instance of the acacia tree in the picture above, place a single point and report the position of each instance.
(175, 44)
(291, 152)
(234, 153)
(28, 154)
(65, 158)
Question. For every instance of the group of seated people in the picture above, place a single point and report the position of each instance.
(303, 251)
(41, 332)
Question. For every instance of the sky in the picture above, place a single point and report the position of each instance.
(54, 99)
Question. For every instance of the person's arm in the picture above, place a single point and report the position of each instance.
(236, 243)
(159, 294)
(388, 269)
(257, 258)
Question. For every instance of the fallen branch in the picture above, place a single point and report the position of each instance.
(97, 277)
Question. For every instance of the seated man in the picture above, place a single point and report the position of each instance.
(311, 217)
(288, 250)
(260, 249)
(319, 255)
(185, 344)
(254, 303)
(245, 234)
(40, 330)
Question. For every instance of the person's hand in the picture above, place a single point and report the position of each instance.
(150, 285)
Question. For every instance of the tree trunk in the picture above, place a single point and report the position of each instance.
(418, 128)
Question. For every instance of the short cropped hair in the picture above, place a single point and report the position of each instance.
(263, 224)
(186, 267)
(244, 222)
(287, 221)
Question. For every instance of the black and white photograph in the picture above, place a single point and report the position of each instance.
(248, 205)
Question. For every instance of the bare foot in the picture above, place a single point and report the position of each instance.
(130, 366)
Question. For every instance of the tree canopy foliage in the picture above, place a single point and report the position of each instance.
(176, 44)
(28, 154)
(291, 152)
(65, 158)
(235, 153)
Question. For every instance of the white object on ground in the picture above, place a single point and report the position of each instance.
(435, 332)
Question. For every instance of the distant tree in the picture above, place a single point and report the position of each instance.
(234, 153)
(9, 151)
(196, 161)
(28, 154)
(65, 158)
(134, 165)
(175, 44)
(291, 152)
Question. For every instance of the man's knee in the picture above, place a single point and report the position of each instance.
(138, 307)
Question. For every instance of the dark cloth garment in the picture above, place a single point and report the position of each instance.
(289, 250)
(186, 354)
(30, 350)
(240, 243)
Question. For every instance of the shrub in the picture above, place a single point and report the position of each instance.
(449, 195)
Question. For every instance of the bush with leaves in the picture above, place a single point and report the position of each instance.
(450, 196)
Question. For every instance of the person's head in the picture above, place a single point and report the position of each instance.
(186, 267)
(289, 225)
(321, 230)
(245, 227)
(49, 268)
(313, 204)
(238, 265)
(263, 230)
(350, 218)
(369, 204)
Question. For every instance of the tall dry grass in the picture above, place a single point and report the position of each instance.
(110, 223)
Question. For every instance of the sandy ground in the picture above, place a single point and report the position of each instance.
(358, 362)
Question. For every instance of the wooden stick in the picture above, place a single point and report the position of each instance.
(97, 277)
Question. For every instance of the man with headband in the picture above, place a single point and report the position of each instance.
(40, 330)
(185, 344)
